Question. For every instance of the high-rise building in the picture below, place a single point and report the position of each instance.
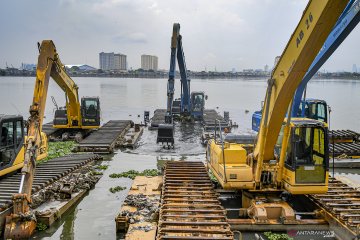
(112, 61)
(354, 68)
(149, 62)
(120, 62)
(29, 67)
(266, 68)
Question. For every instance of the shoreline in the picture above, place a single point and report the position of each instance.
(238, 77)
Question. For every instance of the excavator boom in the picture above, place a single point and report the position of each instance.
(172, 73)
(284, 151)
(21, 223)
(18, 226)
(78, 117)
(316, 23)
(344, 26)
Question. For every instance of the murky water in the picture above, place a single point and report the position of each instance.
(93, 217)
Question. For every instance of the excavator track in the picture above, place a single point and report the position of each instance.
(190, 208)
(46, 173)
(342, 205)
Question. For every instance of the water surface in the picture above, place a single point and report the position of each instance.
(93, 217)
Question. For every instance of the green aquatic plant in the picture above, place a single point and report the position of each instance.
(94, 173)
(133, 173)
(116, 189)
(277, 236)
(102, 167)
(212, 177)
(59, 149)
(41, 226)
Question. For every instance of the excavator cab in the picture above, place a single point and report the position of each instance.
(12, 132)
(90, 111)
(197, 105)
(12, 139)
(90, 114)
(307, 157)
(313, 109)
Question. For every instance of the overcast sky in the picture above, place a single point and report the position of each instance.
(221, 34)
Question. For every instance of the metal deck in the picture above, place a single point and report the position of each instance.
(345, 149)
(190, 208)
(45, 174)
(341, 208)
(158, 118)
(211, 118)
(343, 136)
(106, 139)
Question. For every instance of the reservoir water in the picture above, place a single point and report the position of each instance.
(93, 217)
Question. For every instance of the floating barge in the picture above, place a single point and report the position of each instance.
(340, 207)
(46, 174)
(157, 118)
(132, 136)
(343, 136)
(345, 149)
(106, 138)
(211, 120)
(190, 208)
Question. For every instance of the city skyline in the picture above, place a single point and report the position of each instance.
(218, 35)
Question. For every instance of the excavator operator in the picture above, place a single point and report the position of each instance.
(4, 136)
(303, 150)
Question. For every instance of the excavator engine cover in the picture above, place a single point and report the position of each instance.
(165, 134)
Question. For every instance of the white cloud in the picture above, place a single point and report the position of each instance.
(225, 33)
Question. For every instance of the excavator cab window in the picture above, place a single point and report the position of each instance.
(198, 102)
(12, 138)
(307, 154)
(90, 111)
(315, 110)
(319, 111)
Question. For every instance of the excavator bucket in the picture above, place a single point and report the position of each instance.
(166, 134)
(19, 228)
(21, 223)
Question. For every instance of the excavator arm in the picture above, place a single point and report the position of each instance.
(177, 53)
(166, 131)
(316, 23)
(172, 72)
(64, 81)
(344, 26)
(185, 81)
(21, 223)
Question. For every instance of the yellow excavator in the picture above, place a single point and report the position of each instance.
(12, 132)
(21, 223)
(75, 120)
(291, 155)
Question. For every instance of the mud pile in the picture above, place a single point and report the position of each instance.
(147, 208)
(82, 179)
